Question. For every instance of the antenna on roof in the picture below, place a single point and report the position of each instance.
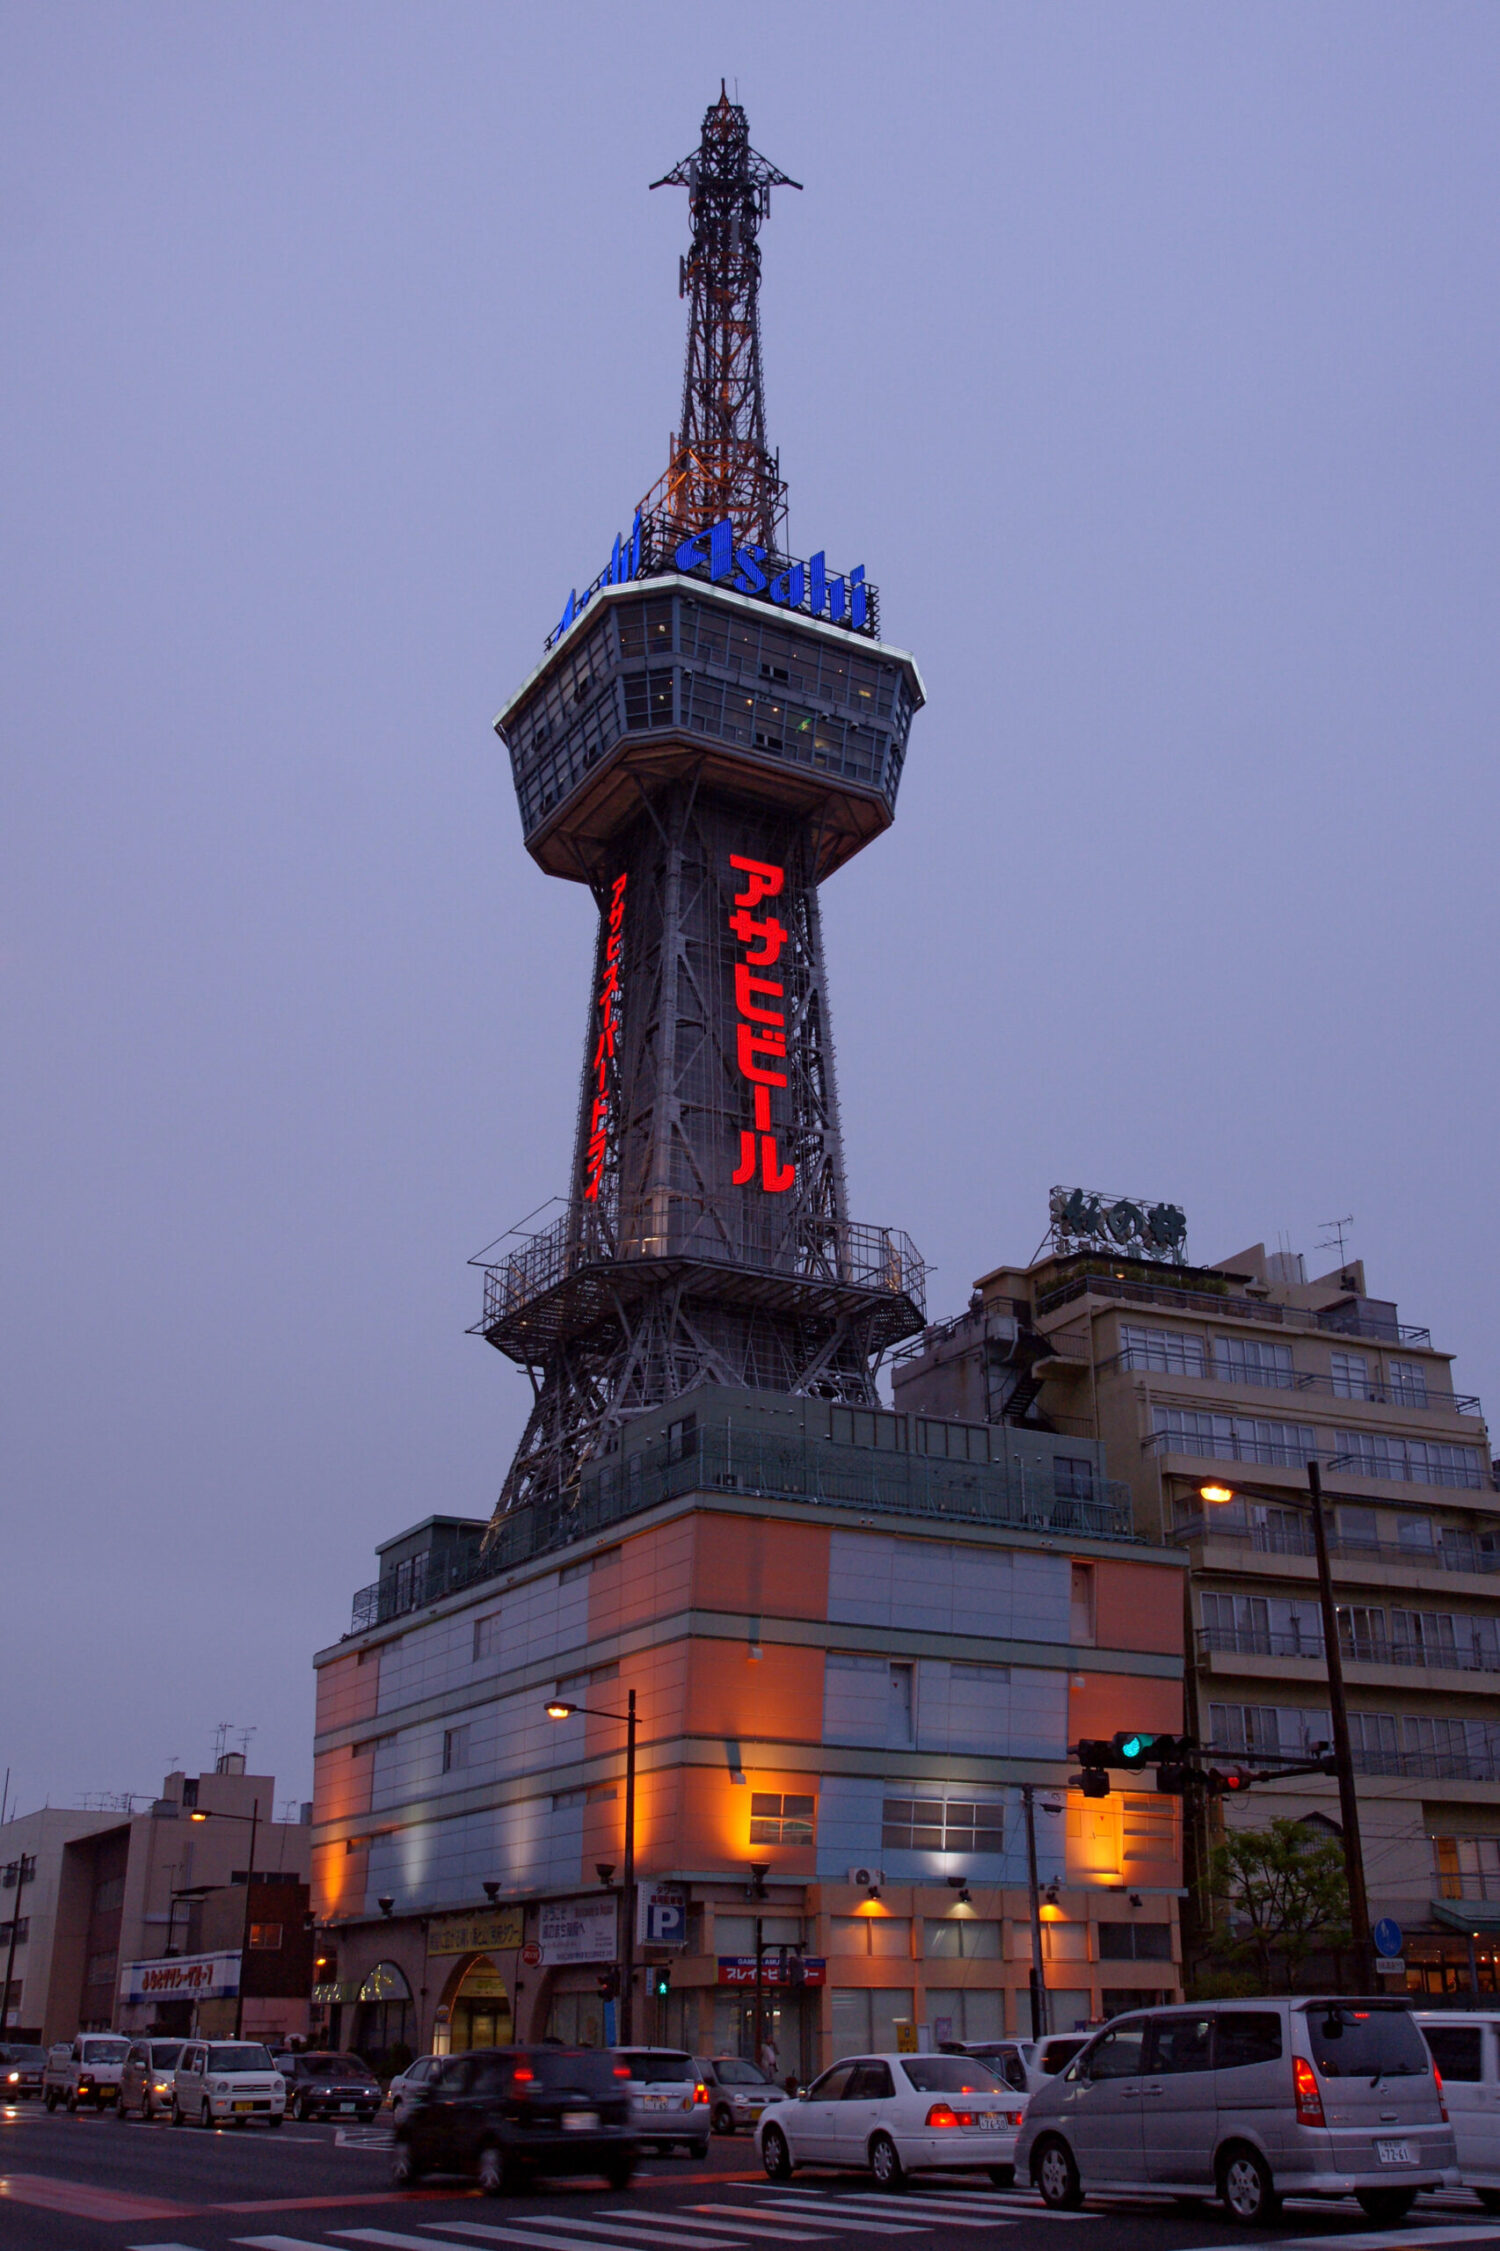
(1333, 1239)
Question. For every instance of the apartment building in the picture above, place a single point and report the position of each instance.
(110, 1887)
(1233, 1377)
(853, 1637)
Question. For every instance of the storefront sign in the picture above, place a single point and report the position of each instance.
(577, 1930)
(761, 1032)
(181, 1977)
(809, 587)
(739, 1969)
(474, 1934)
(661, 1915)
(1082, 1220)
(604, 1053)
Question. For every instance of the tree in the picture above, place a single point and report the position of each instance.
(1281, 1893)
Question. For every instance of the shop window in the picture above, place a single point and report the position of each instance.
(781, 1819)
(887, 1937)
(1135, 1942)
(960, 1938)
(865, 2019)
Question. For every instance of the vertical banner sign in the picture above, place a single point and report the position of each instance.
(604, 1053)
(761, 1030)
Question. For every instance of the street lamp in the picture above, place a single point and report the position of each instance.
(205, 1813)
(1216, 1494)
(560, 1709)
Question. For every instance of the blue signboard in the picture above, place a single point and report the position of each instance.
(810, 588)
(1387, 1937)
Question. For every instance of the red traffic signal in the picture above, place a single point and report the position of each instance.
(1224, 1780)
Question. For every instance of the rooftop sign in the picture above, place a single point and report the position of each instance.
(1082, 1219)
(654, 545)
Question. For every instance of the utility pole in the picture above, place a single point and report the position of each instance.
(1354, 1862)
(1039, 2025)
(239, 1999)
(627, 1949)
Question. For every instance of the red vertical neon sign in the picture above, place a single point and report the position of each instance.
(760, 1035)
(604, 1053)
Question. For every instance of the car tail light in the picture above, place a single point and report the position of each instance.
(700, 2092)
(1014, 2117)
(622, 2071)
(1442, 2099)
(944, 2114)
(1309, 2100)
(522, 2076)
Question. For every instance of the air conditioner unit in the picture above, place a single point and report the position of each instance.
(864, 1877)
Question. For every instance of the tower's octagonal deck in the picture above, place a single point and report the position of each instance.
(663, 672)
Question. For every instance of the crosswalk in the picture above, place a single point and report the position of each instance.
(771, 2215)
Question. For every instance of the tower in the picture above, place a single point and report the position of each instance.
(714, 729)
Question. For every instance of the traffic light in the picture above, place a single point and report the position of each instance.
(1093, 1782)
(608, 1982)
(796, 1968)
(1132, 1749)
(1226, 1781)
(1174, 1778)
(660, 1978)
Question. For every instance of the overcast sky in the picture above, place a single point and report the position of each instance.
(1145, 355)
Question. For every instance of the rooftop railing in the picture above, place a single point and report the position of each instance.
(1226, 1306)
(1153, 1360)
(717, 1457)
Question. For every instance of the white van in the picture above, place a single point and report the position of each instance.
(1465, 2046)
(1249, 2101)
(226, 2082)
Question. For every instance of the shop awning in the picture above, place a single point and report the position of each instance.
(1467, 1915)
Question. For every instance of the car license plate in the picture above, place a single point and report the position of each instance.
(348, 2108)
(242, 2106)
(579, 2121)
(1394, 2153)
(991, 2120)
(656, 2102)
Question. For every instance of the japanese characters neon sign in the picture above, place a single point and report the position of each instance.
(604, 1053)
(760, 1034)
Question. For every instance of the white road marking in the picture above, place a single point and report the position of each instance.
(488, 2233)
(1404, 2238)
(287, 2243)
(853, 2212)
(565, 2221)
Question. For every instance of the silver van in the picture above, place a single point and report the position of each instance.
(1248, 2101)
(1465, 2045)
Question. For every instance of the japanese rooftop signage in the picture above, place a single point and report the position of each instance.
(760, 1032)
(808, 587)
(1082, 1220)
(181, 1977)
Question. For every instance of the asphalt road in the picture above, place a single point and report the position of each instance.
(94, 2184)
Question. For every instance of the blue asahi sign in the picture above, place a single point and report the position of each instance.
(810, 587)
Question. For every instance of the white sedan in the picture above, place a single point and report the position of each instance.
(895, 2115)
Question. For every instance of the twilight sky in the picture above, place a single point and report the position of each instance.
(1146, 356)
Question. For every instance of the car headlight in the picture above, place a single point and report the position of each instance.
(278, 2086)
(218, 2086)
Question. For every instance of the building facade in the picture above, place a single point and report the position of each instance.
(104, 1889)
(1234, 1377)
(850, 1650)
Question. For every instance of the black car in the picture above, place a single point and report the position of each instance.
(21, 2071)
(324, 2085)
(506, 2114)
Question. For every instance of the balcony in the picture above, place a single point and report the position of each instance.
(1132, 1290)
(1460, 1552)
(1356, 1649)
(1413, 1766)
(1467, 1471)
(1408, 1398)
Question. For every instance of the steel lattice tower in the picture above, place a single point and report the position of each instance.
(713, 730)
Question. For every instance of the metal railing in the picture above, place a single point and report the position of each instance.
(1230, 1446)
(844, 1253)
(1416, 1766)
(715, 1457)
(1357, 1649)
(1296, 1539)
(1224, 1305)
(1144, 1360)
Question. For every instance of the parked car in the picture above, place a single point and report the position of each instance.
(21, 2071)
(322, 2084)
(84, 2072)
(502, 2115)
(1249, 2101)
(737, 2092)
(146, 2082)
(1465, 2046)
(897, 2114)
(669, 2105)
(403, 2089)
(1023, 2064)
(227, 2082)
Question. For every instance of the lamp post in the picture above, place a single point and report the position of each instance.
(559, 1709)
(1216, 1495)
(207, 1813)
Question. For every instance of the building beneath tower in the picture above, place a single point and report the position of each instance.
(855, 1641)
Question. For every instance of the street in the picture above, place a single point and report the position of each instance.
(76, 2183)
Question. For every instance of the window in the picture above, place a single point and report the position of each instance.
(1072, 1477)
(1167, 1352)
(1237, 1621)
(777, 1819)
(1415, 1533)
(869, 2082)
(939, 1824)
(1136, 1942)
(866, 2018)
(1407, 1382)
(960, 1938)
(1412, 1461)
(1372, 1737)
(1427, 1637)
(1351, 1376)
(487, 1636)
(1233, 1438)
(1457, 2049)
(99, 1969)
(1182, 2043)
(887, 1937)
(973, 2014)
(1467, 1868)
(1359, 1528)
(20, 1929)
(1248, 1360)
(265, 1938)
(455, 1747)
(1244, 1727)
(1247, 2036)
(899, 1705)
(1117, 2055)
(1081, 1613)
(1362, 1632)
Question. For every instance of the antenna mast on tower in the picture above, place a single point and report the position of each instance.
(721, 465)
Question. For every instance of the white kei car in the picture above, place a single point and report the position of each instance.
(226, 2083)
(896, 2115)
